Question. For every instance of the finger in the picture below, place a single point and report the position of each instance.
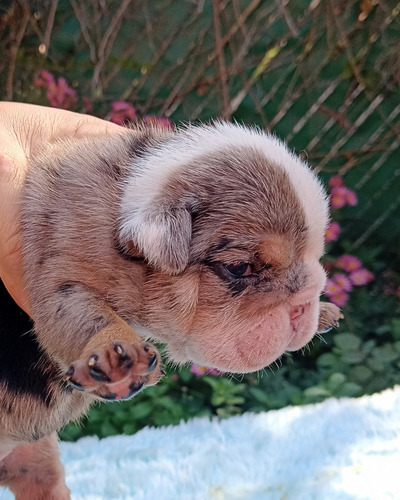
(33, 125)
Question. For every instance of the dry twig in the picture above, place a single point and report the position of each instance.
(105, 46)
(226, 113)
(49, 26)
(20, 18)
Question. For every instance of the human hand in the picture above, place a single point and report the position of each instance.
(24, 128)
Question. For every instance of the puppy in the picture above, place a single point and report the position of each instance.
(207, 239)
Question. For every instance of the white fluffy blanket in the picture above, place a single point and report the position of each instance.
(339, 449)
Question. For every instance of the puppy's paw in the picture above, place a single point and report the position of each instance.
(117, 371)
(329, 316)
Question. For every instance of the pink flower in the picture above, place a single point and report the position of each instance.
(44, 79)
(61, 95)
(338, 197)
(332, 231)
(336, 181)
(163, 122)
(351, 197)
(199, 371)
(332, 288)
(87, 104)
(361, 277)
(339, 299)
(343, 281)
(341, 196)
(349, 263)
(122, 112)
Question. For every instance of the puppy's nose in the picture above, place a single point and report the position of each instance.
(297, 312)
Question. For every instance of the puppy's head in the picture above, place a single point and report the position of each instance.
(231, 225)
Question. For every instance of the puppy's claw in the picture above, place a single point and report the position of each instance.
(149, 350)
(152, 362)
(118, 349)
(135, 388)
(75, 385)
(327, 329)
(99, 375)
(93, 360)
(68, 378)
(68, 374)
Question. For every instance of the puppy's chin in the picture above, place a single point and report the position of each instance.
(249, 346)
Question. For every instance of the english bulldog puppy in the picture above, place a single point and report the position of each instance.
(207, 239)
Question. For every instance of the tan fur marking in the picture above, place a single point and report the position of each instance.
(277, 250)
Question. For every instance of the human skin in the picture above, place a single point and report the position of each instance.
(24, 128)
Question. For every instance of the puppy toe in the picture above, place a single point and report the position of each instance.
(329, 316)
(79, 377)
(152, 359)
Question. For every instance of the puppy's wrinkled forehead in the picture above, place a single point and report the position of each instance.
(241, 185)
(245, 199)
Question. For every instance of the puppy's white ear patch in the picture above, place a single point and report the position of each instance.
(161, 233)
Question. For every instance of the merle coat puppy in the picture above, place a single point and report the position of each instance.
(207, 239)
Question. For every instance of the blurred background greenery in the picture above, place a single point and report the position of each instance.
(323, 74)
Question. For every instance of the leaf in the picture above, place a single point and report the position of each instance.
(129, 428)
(347, 341)
(349, 390)
(108, 429)
(386, 353)
(121, 415)
(327, 360)
(166, 402)
(259, 395)
(395, 328)
(375, 365)
(71, 432)
(142, 409)
(352, 358)
(316, 392)
(265, 61)
(368, 346)
(335, 380)
(294, 394)
(361, 373)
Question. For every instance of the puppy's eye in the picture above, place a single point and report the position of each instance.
(239, 269)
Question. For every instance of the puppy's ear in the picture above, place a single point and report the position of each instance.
(162, 233)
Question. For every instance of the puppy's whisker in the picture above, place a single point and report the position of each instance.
(271, 368)
(321, 338)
